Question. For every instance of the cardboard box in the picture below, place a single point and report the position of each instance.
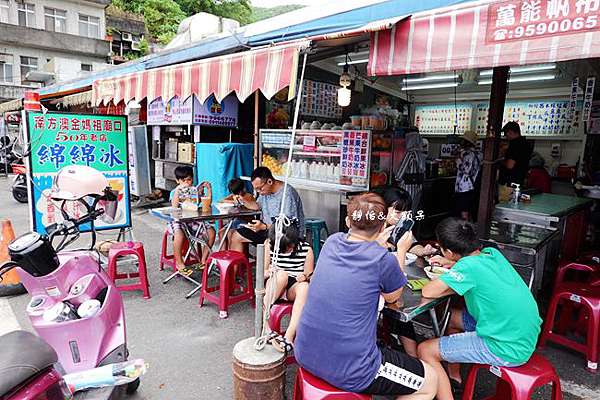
(171, 146)
(159, 169)
(186, 152)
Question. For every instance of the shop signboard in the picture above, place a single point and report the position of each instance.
(354, 154)
(532, 19)
(588, 98)
(172, 112)
(213, 113)
(58, 140)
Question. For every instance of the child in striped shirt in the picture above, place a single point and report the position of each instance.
(295, 265)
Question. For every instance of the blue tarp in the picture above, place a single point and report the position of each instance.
(341, 22)
(349, 20)
(218, 163)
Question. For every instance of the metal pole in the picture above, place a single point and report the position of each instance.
(259, 290)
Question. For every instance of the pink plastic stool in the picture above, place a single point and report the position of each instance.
(517, 383)
(225, 261)
(276, 315)
(309, 387)
(124, 249)
(278, 311)
(587, 297)
(168, 260)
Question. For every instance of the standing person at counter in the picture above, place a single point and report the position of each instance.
(468, 165)
(270, 197)
(516, 160)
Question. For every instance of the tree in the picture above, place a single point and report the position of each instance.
(162, 18)
(239, 10)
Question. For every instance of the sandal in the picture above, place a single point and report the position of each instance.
(282, 345)
(271, 336)
(185, 271)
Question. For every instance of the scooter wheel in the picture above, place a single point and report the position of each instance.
(132, 387)
(20, 195)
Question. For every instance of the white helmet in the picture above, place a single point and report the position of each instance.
(78, 181)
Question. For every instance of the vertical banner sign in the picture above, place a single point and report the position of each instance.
(589, 97)
(573, 99)
(58, 140)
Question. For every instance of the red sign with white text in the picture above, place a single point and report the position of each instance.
(531, 19)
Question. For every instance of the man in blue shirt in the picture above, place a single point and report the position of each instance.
(336, 336)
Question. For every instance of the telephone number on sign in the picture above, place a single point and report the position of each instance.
(547, 28)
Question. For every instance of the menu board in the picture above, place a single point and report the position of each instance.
(319, 99)
(354, 154)
(442, 118)
(548, 117)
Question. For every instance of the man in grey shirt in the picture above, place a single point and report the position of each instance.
(270, 196)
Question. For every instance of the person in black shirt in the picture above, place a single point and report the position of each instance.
(516, 161)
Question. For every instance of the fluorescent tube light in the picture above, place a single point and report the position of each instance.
(523, 69)
(362, 61)
(521, 79)
(431, 86)
(430, 78)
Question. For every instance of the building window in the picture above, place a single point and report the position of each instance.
(86, 67)
(56, 20)
(89, 26)
(4, 10)
(28, 64)
(6, 68)
(26, 13)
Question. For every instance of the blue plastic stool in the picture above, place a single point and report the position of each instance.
(314, 227)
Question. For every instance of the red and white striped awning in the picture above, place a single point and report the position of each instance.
(267, 69)
(486, 34)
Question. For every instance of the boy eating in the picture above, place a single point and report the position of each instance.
(185, 193)
(501, 322)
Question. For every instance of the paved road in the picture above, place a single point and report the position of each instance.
(188, 348)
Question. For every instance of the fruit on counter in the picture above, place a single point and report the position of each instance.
(378, 178)
(272, 163)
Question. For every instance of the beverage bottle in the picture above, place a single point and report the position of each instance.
(107, 375)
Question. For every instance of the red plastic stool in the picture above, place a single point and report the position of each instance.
(124, 249)
(588, 298)
(309, 387)
(517, 383)
(584, 271)
(278, 312)
(225, 261)
(168, 260)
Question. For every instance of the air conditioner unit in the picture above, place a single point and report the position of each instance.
(126, 37)
(135, 46)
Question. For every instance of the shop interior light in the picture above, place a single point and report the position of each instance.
(431, 86)
(514, 79)
(344, 95)
(430, 78)
(361, 61)
(523, 69)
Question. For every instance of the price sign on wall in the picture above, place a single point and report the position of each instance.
(58, 140)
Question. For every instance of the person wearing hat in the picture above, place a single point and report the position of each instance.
(468, 165)
(515, 166)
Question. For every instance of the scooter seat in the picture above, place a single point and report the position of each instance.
(23, 355)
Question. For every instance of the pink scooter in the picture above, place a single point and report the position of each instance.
(74, 306)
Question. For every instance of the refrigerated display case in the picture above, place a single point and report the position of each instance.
(323, 159)
(327, 167)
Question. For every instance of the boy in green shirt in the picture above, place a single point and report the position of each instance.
(501, 322)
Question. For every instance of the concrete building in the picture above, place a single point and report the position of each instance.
(46, 41)
(126, 32)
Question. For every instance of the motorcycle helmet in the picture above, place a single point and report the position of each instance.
(75, 182)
